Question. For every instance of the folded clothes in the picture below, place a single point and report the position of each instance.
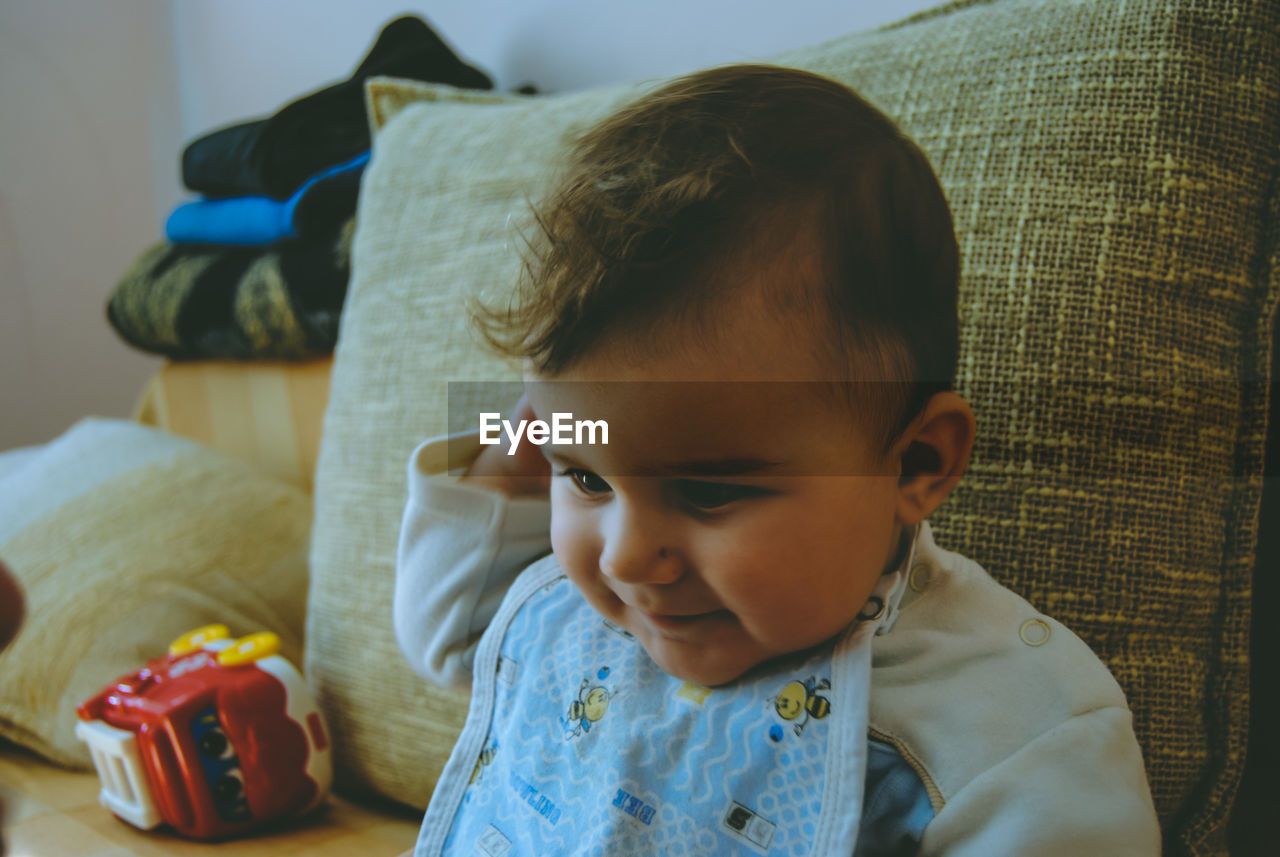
(323, 201)
(273, 156)
(193, 301)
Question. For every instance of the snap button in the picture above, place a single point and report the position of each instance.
(1034, 632)
(918, 580)
(874, 608)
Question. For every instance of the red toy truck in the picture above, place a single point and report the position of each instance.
(214, 738)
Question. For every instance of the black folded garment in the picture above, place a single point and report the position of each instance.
(195, 301)
(274, 156)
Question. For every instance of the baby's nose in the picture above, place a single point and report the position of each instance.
(632, 556)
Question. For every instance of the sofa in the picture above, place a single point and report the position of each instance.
(1111, 168)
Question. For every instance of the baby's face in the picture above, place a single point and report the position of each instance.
(726, 522)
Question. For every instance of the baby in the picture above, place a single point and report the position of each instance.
(744, 639)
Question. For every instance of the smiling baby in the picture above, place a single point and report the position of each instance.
(744, 639)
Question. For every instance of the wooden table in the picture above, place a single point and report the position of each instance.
(52, 812)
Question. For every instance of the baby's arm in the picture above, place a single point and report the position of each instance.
(1077, 789)
(462, 542)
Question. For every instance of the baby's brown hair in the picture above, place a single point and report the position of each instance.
(715, 168)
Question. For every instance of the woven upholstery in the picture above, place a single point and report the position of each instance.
(1109, 165)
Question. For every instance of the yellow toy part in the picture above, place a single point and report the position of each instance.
(193, 640)
(248, 649)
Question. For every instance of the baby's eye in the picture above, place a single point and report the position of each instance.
(587, 482)
(713, 495)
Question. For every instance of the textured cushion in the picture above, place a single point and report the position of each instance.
(1108, 164)
(123, 538)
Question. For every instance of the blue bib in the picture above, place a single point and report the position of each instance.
(577, 743)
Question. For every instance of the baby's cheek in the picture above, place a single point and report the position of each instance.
(576, 541)
(573, 540)
(787, 618)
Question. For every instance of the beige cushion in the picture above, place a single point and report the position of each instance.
(1107, 164)
(123, 538)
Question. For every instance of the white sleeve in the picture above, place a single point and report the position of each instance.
(1079, 788)
(460, 548)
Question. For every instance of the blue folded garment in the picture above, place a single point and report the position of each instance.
(327, 198)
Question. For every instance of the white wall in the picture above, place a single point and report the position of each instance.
(287, 47)
(87, 98)
(98, 97)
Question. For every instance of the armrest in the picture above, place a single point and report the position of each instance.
(268, 413)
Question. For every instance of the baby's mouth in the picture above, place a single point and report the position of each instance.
(676, 622)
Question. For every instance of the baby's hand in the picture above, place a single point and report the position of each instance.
(524, 474)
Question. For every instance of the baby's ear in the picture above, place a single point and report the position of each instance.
(933, 455)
